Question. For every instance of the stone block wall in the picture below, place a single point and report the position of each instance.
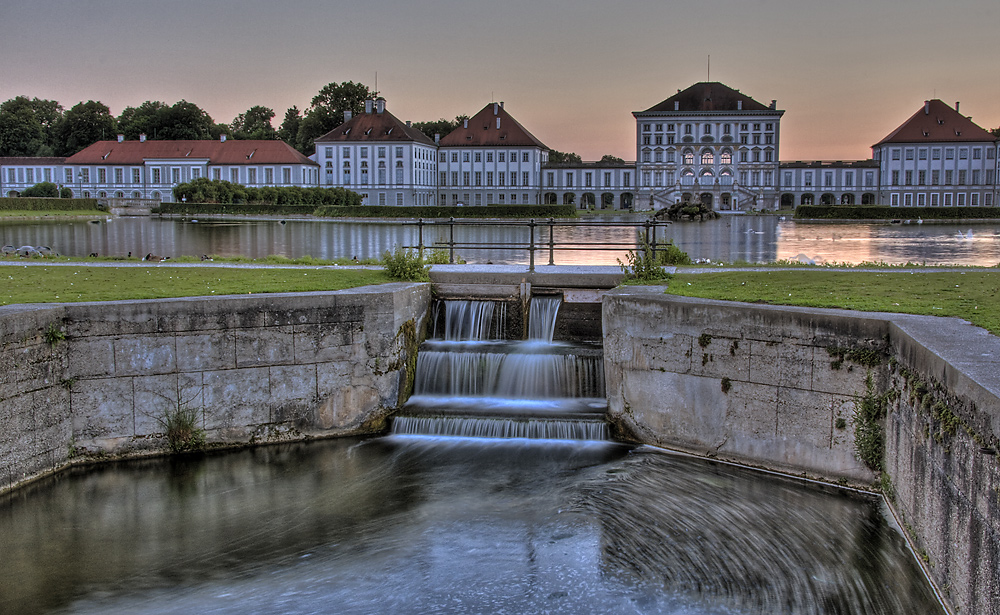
(665, 358)
(258, 368)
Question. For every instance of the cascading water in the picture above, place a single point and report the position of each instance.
(473, 383)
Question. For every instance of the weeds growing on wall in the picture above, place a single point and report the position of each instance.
(869, 432)
(183, 432)
(642, 266)
(53, 334)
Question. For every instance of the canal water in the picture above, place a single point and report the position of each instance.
(732, 238)
(444, 520)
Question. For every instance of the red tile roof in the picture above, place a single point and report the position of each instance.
(232, 151)
(30, 160)
(484, 131)
(375, 126)
(706, 97)
(936, 121)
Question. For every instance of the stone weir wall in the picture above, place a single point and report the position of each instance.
(776, 387)
(97, 380)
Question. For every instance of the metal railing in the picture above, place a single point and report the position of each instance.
(538, 240)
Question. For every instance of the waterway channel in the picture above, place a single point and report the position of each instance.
(733, 238)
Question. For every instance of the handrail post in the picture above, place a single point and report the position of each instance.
(552, 244)
(451, 241)
(652, 244)
(531, 245)
(420, 238)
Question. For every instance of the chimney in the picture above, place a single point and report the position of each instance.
(222, 138)
(956, 106)
(142, 138)
(409, 124)
(496, 108)
(739, 105)
(927, 107)
(677, 105)
(437, 137)
(347, 116)
(465, 123)
(368, 106)
(501, 104)
(379, 105)
(774, 104)
(121, 138)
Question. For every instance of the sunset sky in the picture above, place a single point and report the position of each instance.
(845, 72)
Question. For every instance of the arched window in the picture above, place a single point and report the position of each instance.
(726, 157)
(688, 157)
(707, 157)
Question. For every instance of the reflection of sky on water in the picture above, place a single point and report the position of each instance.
(732, 238)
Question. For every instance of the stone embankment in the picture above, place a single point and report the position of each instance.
(97, 380)
(776, 387)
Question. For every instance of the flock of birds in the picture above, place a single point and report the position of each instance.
(43, 251)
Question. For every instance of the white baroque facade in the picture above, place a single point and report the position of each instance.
(386, 161)
(938, 158)
(709, 143)
(490, 159)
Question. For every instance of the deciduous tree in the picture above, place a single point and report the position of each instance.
(84, 124)
(326, 111)
(556, 157)
(440, 127)
(28, 126)
(255, 123)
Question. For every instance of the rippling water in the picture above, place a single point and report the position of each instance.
(425, 525)
(733, 238)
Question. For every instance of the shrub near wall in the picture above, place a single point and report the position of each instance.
(40, 204)
(881, 212)
(208, 191)
(262, 209)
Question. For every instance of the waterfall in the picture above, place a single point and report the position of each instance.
(471, 381)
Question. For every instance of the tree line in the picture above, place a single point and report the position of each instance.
(38, 127)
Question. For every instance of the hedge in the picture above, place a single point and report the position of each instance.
(882, 212)
(209, 191)
(231, 208)
(433, 211)
(42, 204)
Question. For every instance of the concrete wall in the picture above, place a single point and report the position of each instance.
(941, 377)
(258, 368)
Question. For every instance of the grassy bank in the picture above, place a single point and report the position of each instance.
(62, 284)
(973, 295)
(36, 213)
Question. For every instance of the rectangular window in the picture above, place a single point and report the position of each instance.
(479, 156)
(381, 154)
(444, 178)
(286, 176)
(569, 180)
(399, 196)
(975, 199)
(526, 178)
(328, 152)
(961, 177)
(501, 178)
(479, 199)
(502, 156)
(934, 199)
(921, 200)
(607, 180)
(345, 152)
(895, 154)
(922, 153)
(465, 178)
(381, 199)
(588, 179)
(525, 157)
(849, 178)
(988, 199)
(119, 176)
(489, 156)
(949, 153)
(234, 175)
(443, 157)
(947, 199)
(909, 153)
(788, 179)
(828, 179)
(364, 152)
(921, 178)
(961, 199)
(627, 179)
(399, 154)
(102, 176)
(977, 153)
(894, 200)
(513, 178)
(948, 175)
(30, 175)
(936, 153)
(68, 176)
(907, 200)
(252, 176)
(935, 178)
(136, 176)
(807, 179)
(963, 153)
(975, 177)
(658, 178)
(156, 175)
(195, 172)
(870, 179)
(454, 156)
(399, 177)
(489, 178)
(550, 179)
(909, 178)
(268, 175)
(479, 178)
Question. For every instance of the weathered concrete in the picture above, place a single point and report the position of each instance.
(785, 398)
(255, 368)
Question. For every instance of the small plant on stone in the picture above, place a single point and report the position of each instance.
(183, 432)
(869, 433)
(53, 334)
(404, 265)
(642, 266)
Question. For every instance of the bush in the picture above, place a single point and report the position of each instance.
(672, 255)
(405, 265)
(686, 210)
(433, 211)
(642, 267)
(214, 191)
(43, 190)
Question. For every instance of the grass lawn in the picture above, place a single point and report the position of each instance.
(59, 284)
(972, 295)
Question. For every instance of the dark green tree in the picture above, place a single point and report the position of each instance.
(84, 124)
(28, 126)
(996, 132)
(185, 120)
(441, 127)
(326, 111)
(609, 159)
(556, 157)
(289, 129)
(142, 120)
(43, 190)
(255, 123)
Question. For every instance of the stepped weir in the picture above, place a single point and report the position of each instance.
(471, 381)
